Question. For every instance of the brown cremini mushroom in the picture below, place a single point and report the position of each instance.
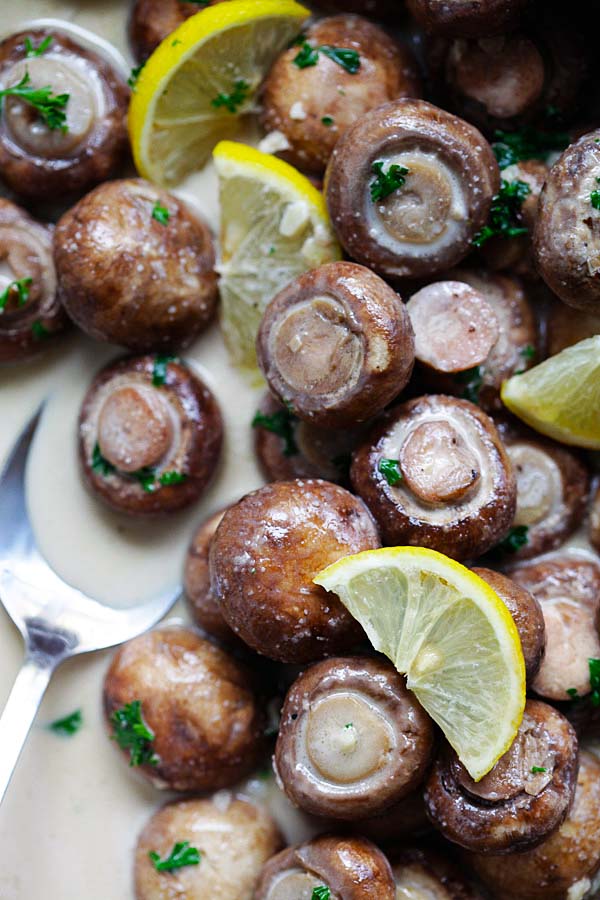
(434, 473)
(150, 435)
(563, 329)
(86, 139)
(30, 313)
(311, 98)
(522, 800)
(465, 18)
(234, 838)
(264, 555)
(151, 21)
(565, 865)
(408, 187)
(197, 702)
(351, 868)
(425, 874)
(336, 345)
(352, 739)
(136, 267)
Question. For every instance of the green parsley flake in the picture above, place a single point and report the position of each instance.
(573, 694)
(320, 893)
(134, 75)
(131, 733)
(385, 183)
(308, 56)
(512, 146)
(50, 107)
(181, 855)
(31, 51)
(538, 770)
(349, 725)
(527, 352)
(327, 121)
(505, 213)
(594, 667)
(514, 540)
(161, 214)
(168, 478)
(159, 369)
(39, 331)
(68, 726)
(595, 196)
(472, 379)
(21, 287)
(390, 469)
(100, 465)
(232, 102)
(145, 476)
(280, 423)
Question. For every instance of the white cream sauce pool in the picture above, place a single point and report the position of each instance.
(70, 819)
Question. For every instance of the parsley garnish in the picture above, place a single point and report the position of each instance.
(234, 100)
(572, 692)
(514, 540)
(309, 56)
(473, 382)
(100, 465)
(134, 75)
(146, 476)
(21, 286)
(161, 213)
(31, 51)
(594, 666)
(306, 56)
(39, 331)
(595, 196)
(159, 369)
(181, 855)
(131, 733)
(527, 352)
(280, 423)
(172, 478)
(390, 469)
(538, 770)
(349, 725)
(385, 183)
(68, 726)
(320, 893)
(505, 213)
(49, 106)
(512, 146)
(327, 120)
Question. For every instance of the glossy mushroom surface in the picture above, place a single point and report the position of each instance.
(352, 739)
(151, 21)
(426, 874)
(136, 267)
(234, 838)
(264, 555)
(562, 867)
(434, 473)
(150, 435)
(352, 868)
(30, 313)
(336, 345)
(196, 700)
(522, 800)
(418, 218)
(38, 159)
(311, 104)
(463, 18)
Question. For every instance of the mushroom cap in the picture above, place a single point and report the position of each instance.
(199, 703)
(352, 739)
(463, 18)
(336, 345)
(235, 837)
(151, 21)
(127, 278)
(264, 555)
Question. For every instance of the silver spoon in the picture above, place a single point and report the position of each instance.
(56, 620)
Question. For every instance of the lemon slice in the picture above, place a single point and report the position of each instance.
(274, 226)
(453, 637)
(561, 396)
(218, 56)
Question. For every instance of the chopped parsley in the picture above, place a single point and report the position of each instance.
(146, 476)
(232, 102)
(159, 369)
(100, 465)
(472, 379)
(50, 107)
(573, 694)
(505, 213)
(69, 725)
(321, 892)
(327, 121)
(514, 540)
(527, 352)
(594, 666)
(538, 770)
(181, 855)
(39, 330)
(176, 42)
(161, 214)
(21, 286)
(134, 75)
(529, 143)
(349, 725)
(31, 51)
(390, 469)
(308, 56)
(385, 183)
(280, 423)
(595, 196)
(168, 478)
(131, 733)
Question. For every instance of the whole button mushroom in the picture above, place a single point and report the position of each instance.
(522, 800)
(464, 18)
(566, 239)
(347, 868)
(565, 865)
(336, 345)
(79, 136)
(408, 187)
(425, 874)
(202, 603)
(318, 87)
(205, 723)
(567, 587)
(434, 473)
(233, 837)
(527, 616)
(352, 739)
(30, 314)
(264, 555)
(136, 267)
(150, 435)
(151, 21)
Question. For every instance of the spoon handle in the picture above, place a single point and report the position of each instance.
(19, 713)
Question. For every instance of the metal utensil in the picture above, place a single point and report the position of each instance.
(56, 620)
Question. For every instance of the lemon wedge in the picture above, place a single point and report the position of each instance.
(274, 226)
(199, 81)
(450, 634)
(561, 396)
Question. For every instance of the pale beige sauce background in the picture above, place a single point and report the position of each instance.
(70, 819)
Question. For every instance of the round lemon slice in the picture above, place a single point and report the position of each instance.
(450, 634)
(199, 81)
(561, 396)
(274, 226)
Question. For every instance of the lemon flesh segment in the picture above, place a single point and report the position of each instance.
(173, 123)
(274, 226)
(561, 396)
(450, 634)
